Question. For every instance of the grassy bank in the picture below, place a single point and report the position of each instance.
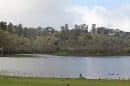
(16, 81)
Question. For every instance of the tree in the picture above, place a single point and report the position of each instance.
(65, 28)
(3, 25)
(10, 27)
(84, 28)
(93, 30)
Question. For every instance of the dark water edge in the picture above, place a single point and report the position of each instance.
(17, 55)
(66, 53)
(86, 55)
(62, 54)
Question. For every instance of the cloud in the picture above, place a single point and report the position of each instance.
(115, 18)
(51, 12)
(55, 13)
(36, 12)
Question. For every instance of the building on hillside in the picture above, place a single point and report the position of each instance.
(119, 33)
(103, 30)
(107, 31)
(127, 35)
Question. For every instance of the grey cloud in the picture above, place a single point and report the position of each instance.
(39, 13)
(58, 12)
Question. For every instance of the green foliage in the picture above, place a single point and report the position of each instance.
(77, 41)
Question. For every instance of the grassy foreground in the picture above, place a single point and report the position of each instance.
(16, 81)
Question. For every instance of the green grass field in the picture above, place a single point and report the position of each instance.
(16, 81)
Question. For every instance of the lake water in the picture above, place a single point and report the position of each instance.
(113, 67)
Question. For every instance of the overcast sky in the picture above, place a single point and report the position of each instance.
(33, 13)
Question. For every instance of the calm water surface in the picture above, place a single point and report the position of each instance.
(60, 66)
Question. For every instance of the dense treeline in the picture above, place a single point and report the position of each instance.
(16, 39)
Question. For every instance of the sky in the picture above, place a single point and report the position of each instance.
(33, 13)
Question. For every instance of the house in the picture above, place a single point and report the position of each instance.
(119, 33)
(127, 35)
(105, 31)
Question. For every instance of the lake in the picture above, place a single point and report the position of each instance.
(37, 65)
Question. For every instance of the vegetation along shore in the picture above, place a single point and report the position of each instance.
(76, 41)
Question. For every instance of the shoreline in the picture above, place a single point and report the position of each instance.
(29, 81)
(68, 78)
(89, 55)
(54, 54)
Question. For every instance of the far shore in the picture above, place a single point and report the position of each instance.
(59, 54)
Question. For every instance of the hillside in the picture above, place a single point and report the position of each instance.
(16, 39)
